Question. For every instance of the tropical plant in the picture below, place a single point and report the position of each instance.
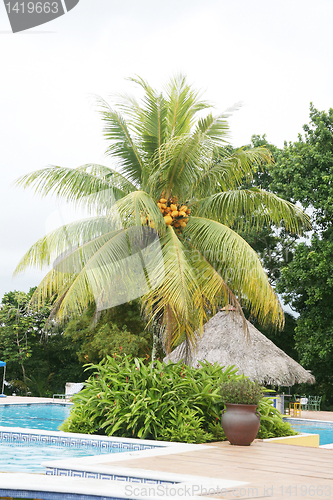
(126, 397)
(271, 421)
(241, 391)
(164, 219)
(174, 402)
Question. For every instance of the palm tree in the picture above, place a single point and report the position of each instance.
(168, 212)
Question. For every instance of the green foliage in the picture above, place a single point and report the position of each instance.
(130, 399)
(127, 398)
(185, 426)
(40, 360)
(241, 391)
(303, 173)
(303, 170)
(307, 285)
(20, 329)
(271, 421)
(119, 330)
(80, 420)
(272, 242)
(164, 146)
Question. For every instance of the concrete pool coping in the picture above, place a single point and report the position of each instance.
(319, 421)
(26, 400)
(65, 486)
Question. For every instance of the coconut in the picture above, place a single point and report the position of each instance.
(175, 213)
(183, 208)
(182, 214)
(163, 200)
(168, 220)
(173, 207)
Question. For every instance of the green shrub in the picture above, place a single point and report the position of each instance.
(271, 421)
(241, 391)
(127, 398)
(185, 426)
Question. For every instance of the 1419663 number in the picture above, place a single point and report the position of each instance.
(33, 7)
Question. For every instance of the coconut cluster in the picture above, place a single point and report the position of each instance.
(174, 214)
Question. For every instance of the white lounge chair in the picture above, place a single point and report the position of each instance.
(71, 388)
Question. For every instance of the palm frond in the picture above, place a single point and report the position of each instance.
(179, 293)
(122, 146)
(183, 103)
(178, 167)
(150, 118)
(112, 269)
(136, 209)
(228, 170)
(53, 287)
(214, 290)
(238, 264)
(253, 207)
(76, 186)
(250, 160)
(216, 128)
(110, 175)
(65, 238)
(216, 176)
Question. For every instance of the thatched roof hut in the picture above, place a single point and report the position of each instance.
(225, 342)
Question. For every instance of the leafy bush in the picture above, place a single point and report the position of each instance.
(241, 391)
(127, 398)
(185, 427)
(271, 421)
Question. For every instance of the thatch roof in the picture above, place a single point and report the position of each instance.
(225, 342)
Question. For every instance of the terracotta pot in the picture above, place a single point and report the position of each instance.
(240, 423)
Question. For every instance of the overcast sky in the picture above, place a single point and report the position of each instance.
(275, 57)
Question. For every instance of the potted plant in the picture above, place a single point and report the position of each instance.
(240, 418)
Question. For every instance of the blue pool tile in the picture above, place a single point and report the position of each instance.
(44, 495)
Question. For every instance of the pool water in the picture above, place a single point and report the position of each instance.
(324, 429)
(34, 416)
(25, 451)
(23, 456)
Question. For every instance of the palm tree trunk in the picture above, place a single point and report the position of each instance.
(155, 342)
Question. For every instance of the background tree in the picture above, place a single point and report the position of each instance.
(307, 284)
(40, 360)
(19, 328)
(303, 173)
(42, 356)
(119, 330)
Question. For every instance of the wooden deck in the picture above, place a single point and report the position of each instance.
(271, 470)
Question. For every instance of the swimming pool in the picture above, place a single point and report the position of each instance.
(34, 416)
(323, 428)
(25, 450)
(26, 456)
